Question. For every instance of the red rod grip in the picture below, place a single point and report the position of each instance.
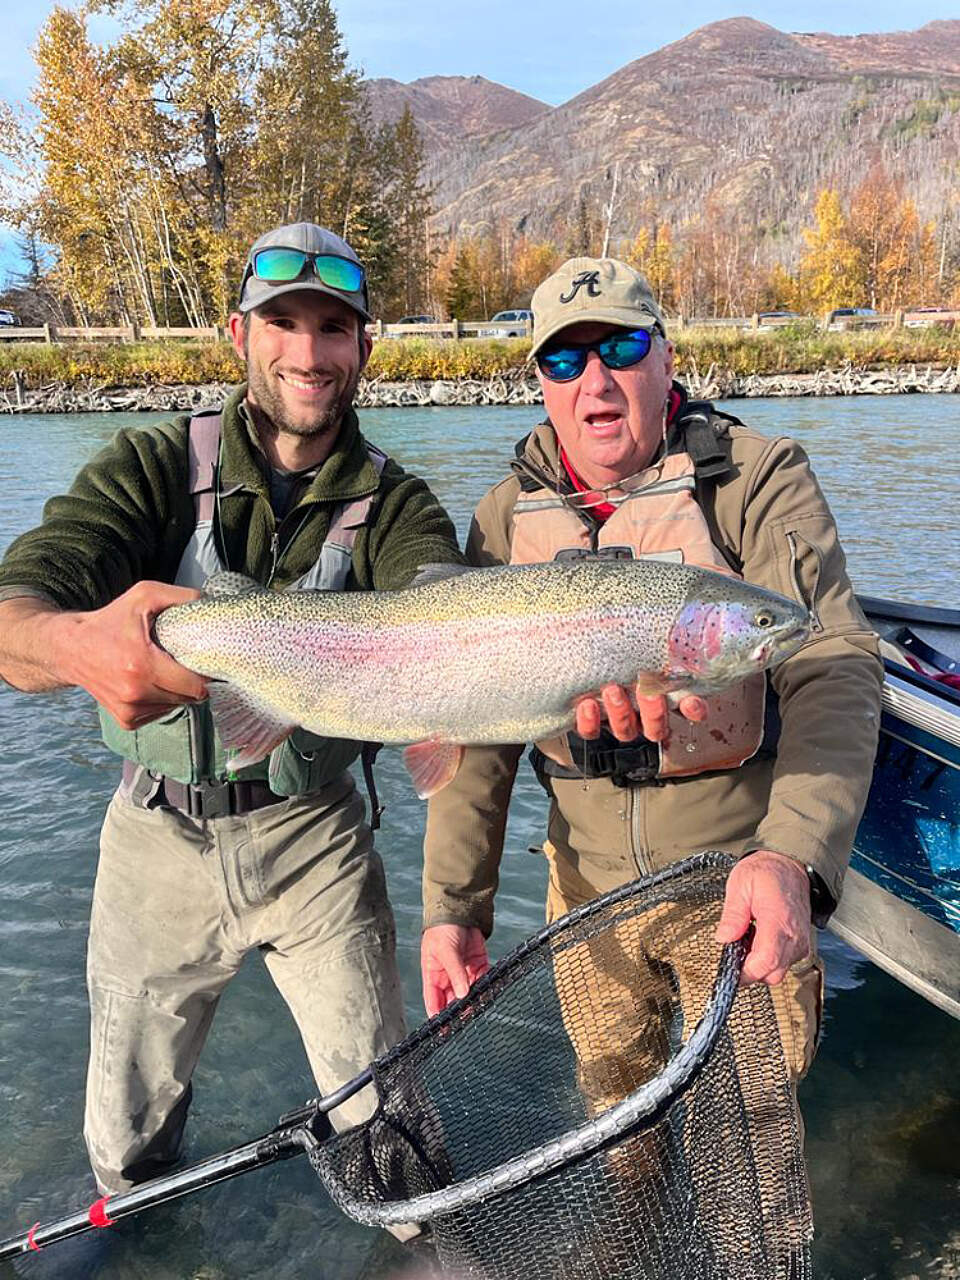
(97, 1213)
(31, 1243)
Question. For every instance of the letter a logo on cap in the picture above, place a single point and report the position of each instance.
(589, 280)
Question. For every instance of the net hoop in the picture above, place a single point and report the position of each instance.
(633, 1112)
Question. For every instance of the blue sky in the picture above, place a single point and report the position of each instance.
(548, 51)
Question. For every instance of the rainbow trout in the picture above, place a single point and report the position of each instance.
(468, 656)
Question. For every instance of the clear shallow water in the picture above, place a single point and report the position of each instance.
(882, 1104)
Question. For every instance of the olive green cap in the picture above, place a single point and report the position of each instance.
(600, 289)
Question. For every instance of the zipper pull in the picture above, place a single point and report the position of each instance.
(274, 554)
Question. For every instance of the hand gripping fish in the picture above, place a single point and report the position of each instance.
(468, 656)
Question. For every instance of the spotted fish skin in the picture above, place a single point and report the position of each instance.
(481, 656)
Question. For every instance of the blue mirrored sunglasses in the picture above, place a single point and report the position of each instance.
(617, 351)
(283, 266)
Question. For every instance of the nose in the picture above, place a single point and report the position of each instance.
(596, 378)
(306, 348)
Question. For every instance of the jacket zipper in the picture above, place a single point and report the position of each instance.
(638, 851)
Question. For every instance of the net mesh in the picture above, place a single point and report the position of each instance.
(606, 1103)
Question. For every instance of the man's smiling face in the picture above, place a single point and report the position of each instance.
(304, 353)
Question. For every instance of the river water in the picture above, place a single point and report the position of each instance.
(882, 1103)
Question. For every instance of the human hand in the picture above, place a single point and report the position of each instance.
(773, 891)
(627, 716)
(111, 653)
(452, 958)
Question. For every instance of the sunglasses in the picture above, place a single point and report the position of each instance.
(283, 266)
(618, 351)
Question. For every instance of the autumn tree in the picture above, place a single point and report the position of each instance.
(831, 272)
(897, 255)
(406, 284)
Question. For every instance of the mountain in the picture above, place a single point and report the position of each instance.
(451, 108)
(738, 114)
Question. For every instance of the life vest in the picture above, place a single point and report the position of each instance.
(658, 518)
(183, 744)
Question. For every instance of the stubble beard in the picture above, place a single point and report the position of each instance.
(272, 415)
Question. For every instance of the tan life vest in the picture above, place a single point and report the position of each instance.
(659, 518)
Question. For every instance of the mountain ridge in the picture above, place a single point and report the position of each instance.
(736, 113)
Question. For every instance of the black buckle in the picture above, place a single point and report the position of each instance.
(210, 800)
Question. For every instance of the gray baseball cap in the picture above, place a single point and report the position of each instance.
(600, 289)
(309, 238)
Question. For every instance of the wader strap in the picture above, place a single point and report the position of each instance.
(625, 764)
(203, 452)
(351, 516)
(700, 441)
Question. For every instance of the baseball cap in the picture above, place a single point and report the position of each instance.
(311, 239)
(600, 289)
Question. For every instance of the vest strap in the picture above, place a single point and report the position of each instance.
(700, 441)
(203, 452)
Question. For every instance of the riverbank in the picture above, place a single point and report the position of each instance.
(515, 387)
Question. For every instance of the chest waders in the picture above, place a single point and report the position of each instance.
(183, 746)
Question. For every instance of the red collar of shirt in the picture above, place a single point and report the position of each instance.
(603, 510)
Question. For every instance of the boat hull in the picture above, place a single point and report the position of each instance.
(901, 897)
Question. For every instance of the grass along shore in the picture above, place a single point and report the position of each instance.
(796, 350)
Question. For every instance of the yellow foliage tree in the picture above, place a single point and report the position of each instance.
(832, 271)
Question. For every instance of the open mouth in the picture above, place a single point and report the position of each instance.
(603, 423)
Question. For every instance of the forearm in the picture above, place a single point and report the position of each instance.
(466, 822)
(34, 645)
(830, 702)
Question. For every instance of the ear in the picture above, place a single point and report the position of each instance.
(366, 346)
(668, 360)
(235, 329)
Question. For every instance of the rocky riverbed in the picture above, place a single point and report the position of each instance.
(517, 387)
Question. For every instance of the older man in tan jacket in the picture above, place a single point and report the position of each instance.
(627, 465)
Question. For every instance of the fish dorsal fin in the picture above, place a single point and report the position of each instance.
(246, 727)
(432, 765)
(230, 584)
(438, 572)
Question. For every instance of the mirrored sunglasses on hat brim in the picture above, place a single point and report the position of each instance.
(563, 363)
(277, 265)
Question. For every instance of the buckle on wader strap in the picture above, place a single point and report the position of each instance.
(201, 800)
(625, 764)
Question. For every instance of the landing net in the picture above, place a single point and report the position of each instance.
(605, 1104)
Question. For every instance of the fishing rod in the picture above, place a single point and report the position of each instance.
(293, 1134)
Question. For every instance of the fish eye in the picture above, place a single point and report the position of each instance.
(764, 618)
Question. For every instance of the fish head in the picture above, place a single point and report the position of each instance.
(721, 637)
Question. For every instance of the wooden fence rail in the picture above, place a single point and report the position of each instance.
(460, 329)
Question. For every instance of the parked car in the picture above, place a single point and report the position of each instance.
(921, 317)
(774, 319)
(509, 324)
(415, 333)
(846, 317)
(8, 317)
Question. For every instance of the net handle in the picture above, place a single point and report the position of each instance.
(641, 1107)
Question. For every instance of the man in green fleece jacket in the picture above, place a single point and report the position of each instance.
(198, 867)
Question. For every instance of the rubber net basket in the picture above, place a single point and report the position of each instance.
(606, 1102)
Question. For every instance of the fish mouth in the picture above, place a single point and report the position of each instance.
(777, 648)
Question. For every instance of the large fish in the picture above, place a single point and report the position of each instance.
(468, 656)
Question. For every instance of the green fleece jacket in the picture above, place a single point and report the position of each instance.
(128, 516)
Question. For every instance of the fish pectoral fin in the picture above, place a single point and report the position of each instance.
(246, 727)
(432, 765)
(438, 572)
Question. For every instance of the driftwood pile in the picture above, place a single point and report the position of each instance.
(515, 388)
